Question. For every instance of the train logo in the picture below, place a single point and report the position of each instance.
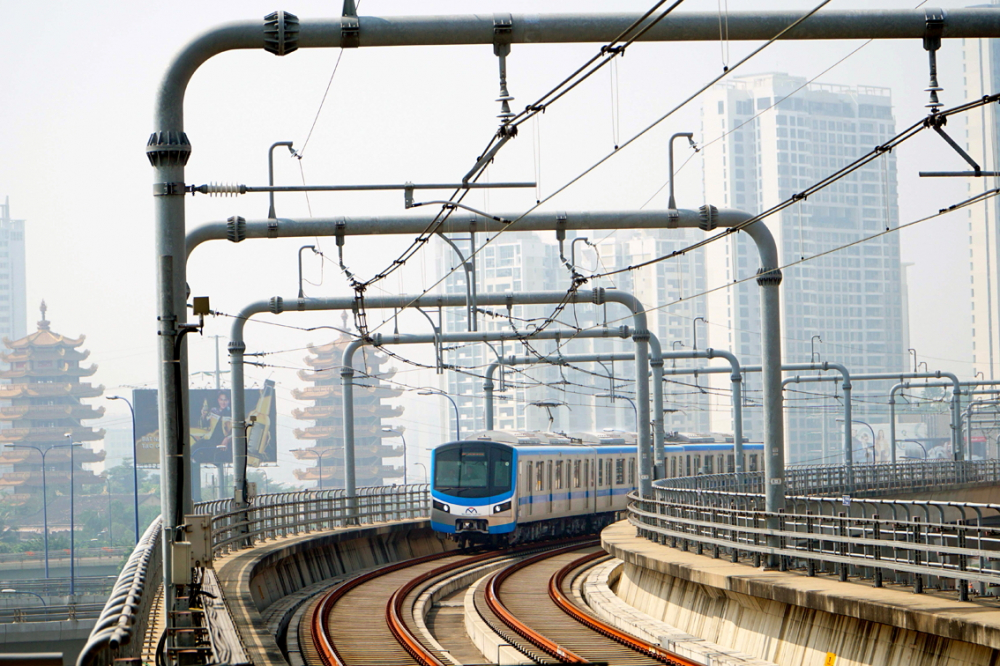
(471, 511)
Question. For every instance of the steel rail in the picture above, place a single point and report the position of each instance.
(633, 642)
(327, 650)
(552, 648)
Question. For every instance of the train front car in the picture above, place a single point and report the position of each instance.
(472, 494)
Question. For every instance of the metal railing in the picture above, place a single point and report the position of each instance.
(54, 613)
(283, 514)
(868, 480)
(827, 527)
(121, 626)
(60, 587)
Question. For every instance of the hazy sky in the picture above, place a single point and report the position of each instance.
(78, 88)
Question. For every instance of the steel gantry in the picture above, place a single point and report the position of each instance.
(281, 33)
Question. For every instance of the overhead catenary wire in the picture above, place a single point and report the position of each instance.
(631, 140)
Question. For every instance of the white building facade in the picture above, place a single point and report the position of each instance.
(13, 310)
(851, 299)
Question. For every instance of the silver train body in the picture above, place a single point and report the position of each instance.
(503, 487)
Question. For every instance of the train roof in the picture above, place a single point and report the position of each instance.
(541, 438)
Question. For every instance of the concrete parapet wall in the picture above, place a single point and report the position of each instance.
(254, 579)
(794, 620)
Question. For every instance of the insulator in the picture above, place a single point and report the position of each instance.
(224, 189)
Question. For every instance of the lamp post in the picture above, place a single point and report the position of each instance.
(458, 427)
(613, 397)
(398, 433)
(812, 348)
(423, 467)
(45, 496)
(135, 466)
(319, 457)
(913, 352)
(672, 202)
(72, 517)
(107, 482)
(8, 590)
(694, 347)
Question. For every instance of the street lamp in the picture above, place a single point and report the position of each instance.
(913, 352)
(398, 433)
(694, 332)
(135, 467)
(672, 202)
(107, 482)
(615, 396)
(319, 457)
(673, 346)
(812, 348)
(8, 590)
(458, 427)
(423, 467)
(853, 420)
(45, 497)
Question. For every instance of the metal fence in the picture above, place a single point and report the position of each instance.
(121, 627)
(122, 624)
(868, 480)
(58, 587)
(826, 527)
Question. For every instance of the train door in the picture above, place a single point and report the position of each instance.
(548, 478)
(529, 486)
(610, 480)
(673, 466)
(586, 484)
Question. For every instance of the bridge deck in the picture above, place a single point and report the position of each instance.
(975, 622)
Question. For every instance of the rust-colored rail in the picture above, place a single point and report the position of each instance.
(327, 650)
(561, 653)
(568, 607)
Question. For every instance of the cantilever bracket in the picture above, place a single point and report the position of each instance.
(933, 30)
(937, 124)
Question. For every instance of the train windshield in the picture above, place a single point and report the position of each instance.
(473, 470)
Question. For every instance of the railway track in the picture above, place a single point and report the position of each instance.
(371, 620)
(533, 599)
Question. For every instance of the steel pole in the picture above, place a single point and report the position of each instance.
(72, 524)
(45, 513)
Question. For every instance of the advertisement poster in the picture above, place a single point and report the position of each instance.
(210, 413)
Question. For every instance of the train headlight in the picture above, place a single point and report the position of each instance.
(500, 508)
(441, 506)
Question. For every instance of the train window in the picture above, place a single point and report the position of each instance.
(673, 467)
(708, 464)
(730, 464)
(620, 471)
(600, 473)
(549, 471)
(500, 462)
(529, 477)
(697, 464)
(576, 473)
(687, 465)
(539, 476)
(631, 472)
(464, 471)
(753, 462)
(586, 474)
(559, 475)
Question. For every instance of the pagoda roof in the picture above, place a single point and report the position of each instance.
(64, 369)
(82, 455)
(67, 411)
(33, 479)
(47, 390)
(320, 412)
(334, 390)
(49, 434)
(45, 353)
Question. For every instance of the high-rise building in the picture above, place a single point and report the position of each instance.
(532, 262)
(782, 135)
(13, 312)
(981, 67)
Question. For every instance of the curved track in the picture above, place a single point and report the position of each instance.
(532, 598)
(370, 620)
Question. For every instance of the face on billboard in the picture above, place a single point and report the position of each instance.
(211, 418)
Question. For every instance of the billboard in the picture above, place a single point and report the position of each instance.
(210, 414)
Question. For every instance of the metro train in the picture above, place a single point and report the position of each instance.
(505, 487)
